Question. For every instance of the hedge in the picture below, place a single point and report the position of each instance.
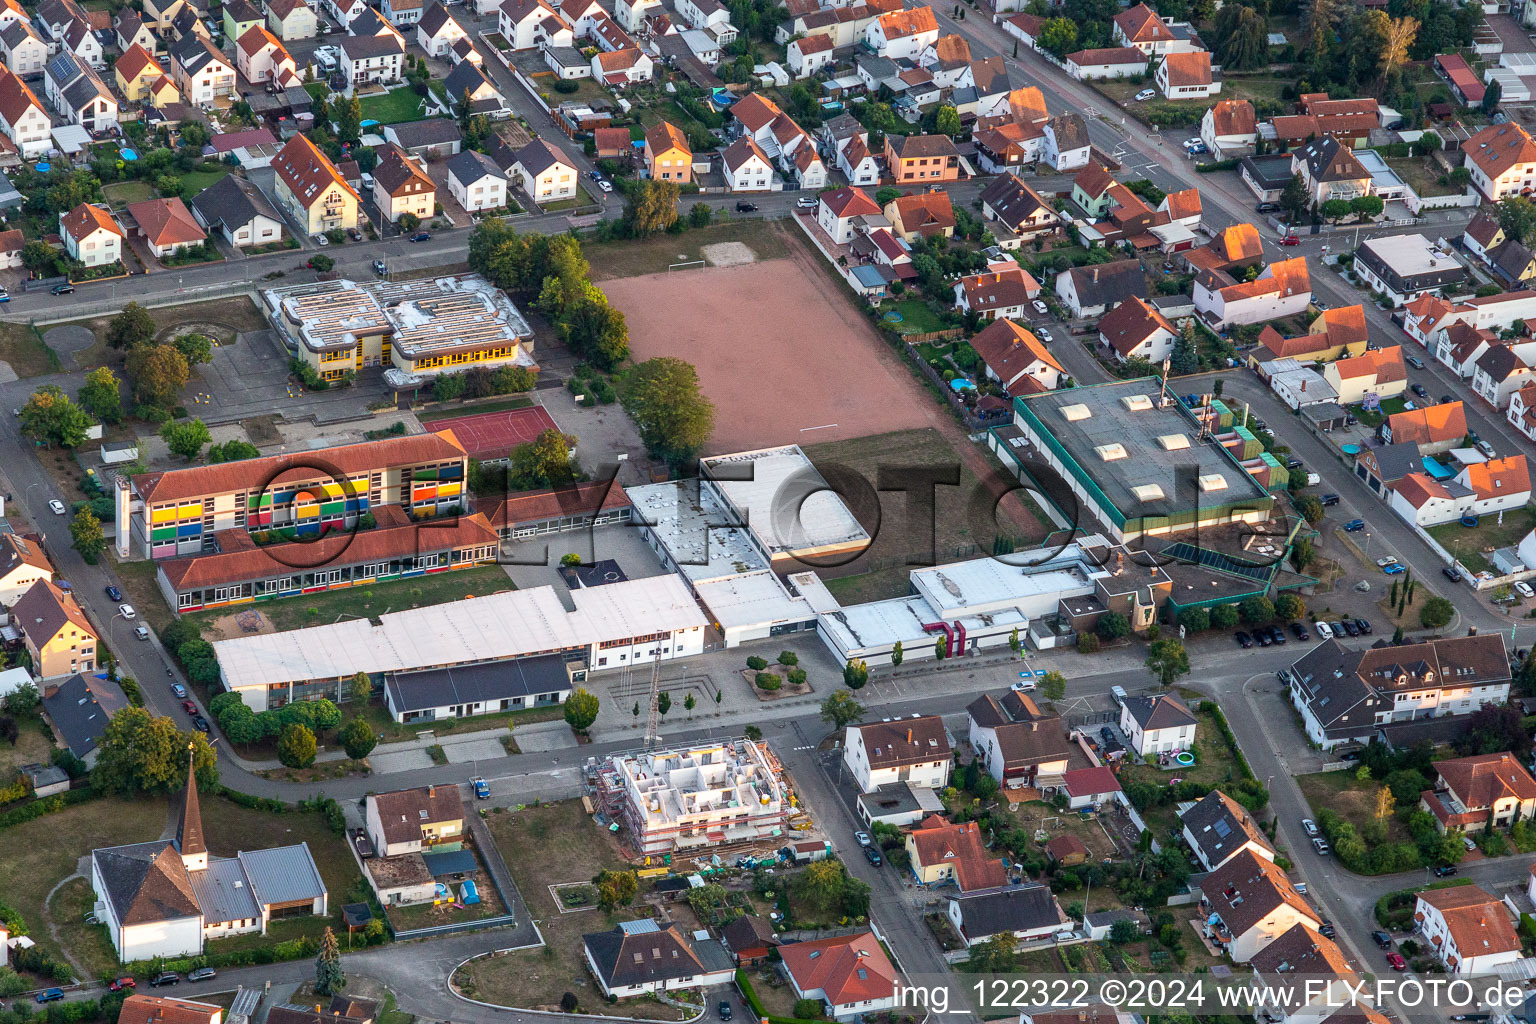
(1216, 165)
(293, 949)
(1384, 906)
(750, 995)
(48, 805)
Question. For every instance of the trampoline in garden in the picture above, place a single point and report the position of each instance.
(892, 317)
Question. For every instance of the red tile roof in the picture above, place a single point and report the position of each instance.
(167, 222)
(584, 499)
(848, 968)
(1496, 477)
(85, 219)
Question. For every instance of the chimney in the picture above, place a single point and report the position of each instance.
(909, 734)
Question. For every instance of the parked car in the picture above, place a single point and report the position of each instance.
(1040, 307)
(1043, 334)
(141, 632)
(63, 289)
(1290, 240)
(1267, 208)
(742, 206)
(1364, 625)
(1243, 638)
(1485, 448)
(56, 506)
(200, 723)
(1419, 390)
(1330, 499)
(1327, 930)
(114, 593)
(1394, 569)
(122, 983)
(1445, 399)
(1445, 871)
(5, 296)
(1300, 631)
(605, 184)
(1382, 563)
(1354, 526)
(189, 707)
(1350, 628)
(1145, 95)
(1320, 845)
(50, 995)
(1277, 636)
(862, 838)
(873, 856)
(202, 974)
(1310, 826)
(1262, 636)
(421, 236)
(1293, 463)
(725, 1009)
(179, 691)
(1323, 630)
(1023, 685)
(1450, 573)
(1524, 589)
(126, 611)
(165, 978)
(1468, 843)
(1339, 632)
(806, 202)
(1396, 962)
(1414, 361)
(379, 268)
(482, 788)
(1382, 939)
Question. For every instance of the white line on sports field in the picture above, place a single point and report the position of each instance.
(824, 426)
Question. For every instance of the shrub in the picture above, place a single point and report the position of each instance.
(756, 664)
(808, 1009)
(789, 658)
(768, 681)
(797, 677)
(1088, 643)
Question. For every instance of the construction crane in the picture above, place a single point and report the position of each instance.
(653, 718)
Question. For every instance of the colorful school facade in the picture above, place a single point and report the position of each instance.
(185, 512)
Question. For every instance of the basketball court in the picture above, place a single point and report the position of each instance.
(493, 435)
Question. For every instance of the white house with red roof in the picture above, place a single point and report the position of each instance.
(1003, 292)
(850, 974)
(1134, 330)
(1090, 788)
(167, 225)
(747, 168)
(902, 34)
(1469, 930)
(1141, 27)
(1502, 160)
(91, 235)
(1522, 410)
(620, 68)
(1016, 359)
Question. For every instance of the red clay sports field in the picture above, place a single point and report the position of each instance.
(493, 435)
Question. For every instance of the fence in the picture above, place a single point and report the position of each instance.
(971, 420)
(944, 335)
(1417, 203)
(505, 920)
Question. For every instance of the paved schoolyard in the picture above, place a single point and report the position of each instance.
(785, 357)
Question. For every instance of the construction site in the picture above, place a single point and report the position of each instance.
(728, 794)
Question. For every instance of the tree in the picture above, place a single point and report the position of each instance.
(897, 655)
(674, 418)
(329, 979)
(1185, 357)
(99, 395)
(652, 207)
(1242, 37)
(185, 437)
(663, 703)
(357, 739)
(946, 120)
(840, 710)
(1053, 685)
(1256, 610)
(689, 703)
(198, 348)
(821, 883)
(232, 451)
(1294, 199)
(158, 373)
(699, 215)
(1058, 36)
(1333, 209)
(1289, 608)
(886, 196)
(1437, 611)
(37, 255)
(597, 332)
(1310, 507)
(1112, 626)
(581, 710)
(1367, 206)
(50, 417)
(1517, 218)
(141, 753)
(616, 889)
(1491, 96)
(131, 328)
(940, 648)
(87, 536)
(296, 745)
(543, 462)
(194, 134)
(23, 700)
(1401, 33)
(1224, 616)
(1301, 554)
(320, 263)
(349, 120)
(1167, 660)
(855, 674)
(1194, 620)
(360, 688)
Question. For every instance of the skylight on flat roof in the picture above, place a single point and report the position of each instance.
(1148, 492)
(1137, 403)
(1112, 451)
(1076, 413)
(1213, 482)
(1174, 442)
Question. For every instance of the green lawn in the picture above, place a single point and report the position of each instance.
(121, 193)
(916, 317)
(367, 601)
(22, 348)
(396, 106)
(194, 182)
(1468, 544)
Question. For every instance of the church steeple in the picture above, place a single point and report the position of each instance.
(189, 830)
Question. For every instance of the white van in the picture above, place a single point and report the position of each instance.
(1118, 692)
